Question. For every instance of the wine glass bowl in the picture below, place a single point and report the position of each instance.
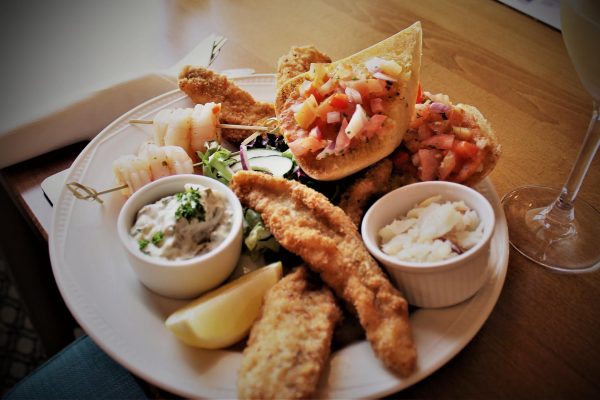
(548, 225)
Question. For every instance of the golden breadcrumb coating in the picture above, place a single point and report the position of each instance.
(305, 223)
(297, 61)
(375, 181)
(290, 341)
(237, 106)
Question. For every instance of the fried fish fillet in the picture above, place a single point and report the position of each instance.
(297, 61)
(237, 106)
(305, 223)
(290, 341)
(375, 181)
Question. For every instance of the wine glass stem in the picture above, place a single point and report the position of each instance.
(562, 208)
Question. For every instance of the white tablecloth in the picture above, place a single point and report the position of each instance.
(72, 67)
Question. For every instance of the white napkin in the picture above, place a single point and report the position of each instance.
(63, 122)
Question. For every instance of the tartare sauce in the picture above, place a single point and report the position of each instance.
(183, 225)
(432, 231)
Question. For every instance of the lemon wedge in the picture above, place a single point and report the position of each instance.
(225, 315)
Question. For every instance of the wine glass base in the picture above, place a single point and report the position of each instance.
(574, 249)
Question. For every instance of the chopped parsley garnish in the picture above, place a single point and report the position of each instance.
(143, 243)
(157, 238)
(190, 206)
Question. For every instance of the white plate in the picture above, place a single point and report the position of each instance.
(126, 320)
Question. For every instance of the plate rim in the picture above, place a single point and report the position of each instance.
(70, 294)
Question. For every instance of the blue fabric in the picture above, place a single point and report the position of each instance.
(80, 371)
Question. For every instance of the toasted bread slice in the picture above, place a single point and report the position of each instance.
(405, 49)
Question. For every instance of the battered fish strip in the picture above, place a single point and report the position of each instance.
(297, 61)
(290, 342)
(375, 181)
(237, 106)
(307, 224)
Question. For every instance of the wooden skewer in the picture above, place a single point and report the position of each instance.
(84, 192)
(223, 126)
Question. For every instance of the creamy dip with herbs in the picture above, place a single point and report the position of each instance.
(183, 225)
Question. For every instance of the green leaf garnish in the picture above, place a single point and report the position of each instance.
(216, 161)
(143, 243)
(191, 205)
(157, 238)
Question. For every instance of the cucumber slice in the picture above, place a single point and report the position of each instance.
(274, 164)
(253, 153)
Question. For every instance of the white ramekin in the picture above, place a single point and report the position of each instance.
(432, 284)
(181, 278)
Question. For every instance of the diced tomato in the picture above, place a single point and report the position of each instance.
(329, 131)
(338, 100)
(429, 164)
(447, 166)
(419, 94)
(456, 117)
(443, 141)
(349, 111)
(297, 147)
(373, 126)
(464, 149)
(424, 132)
(470, 167)
(304, 145)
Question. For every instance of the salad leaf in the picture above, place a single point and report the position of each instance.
(257, 237)
(216, 161)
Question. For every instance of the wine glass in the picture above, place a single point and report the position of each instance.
(546, 225)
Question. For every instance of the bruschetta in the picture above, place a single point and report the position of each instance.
(341, 117)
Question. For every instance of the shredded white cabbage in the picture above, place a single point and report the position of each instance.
(432, 231)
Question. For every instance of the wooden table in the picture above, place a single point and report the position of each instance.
(543, 337)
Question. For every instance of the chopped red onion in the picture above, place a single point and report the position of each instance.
(381, 75)
(353, 95)
(374, 64)
(333, 117)
(439, 107)
(244, 157)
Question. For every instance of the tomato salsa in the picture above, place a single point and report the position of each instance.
(443, 142)
(340, 105)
